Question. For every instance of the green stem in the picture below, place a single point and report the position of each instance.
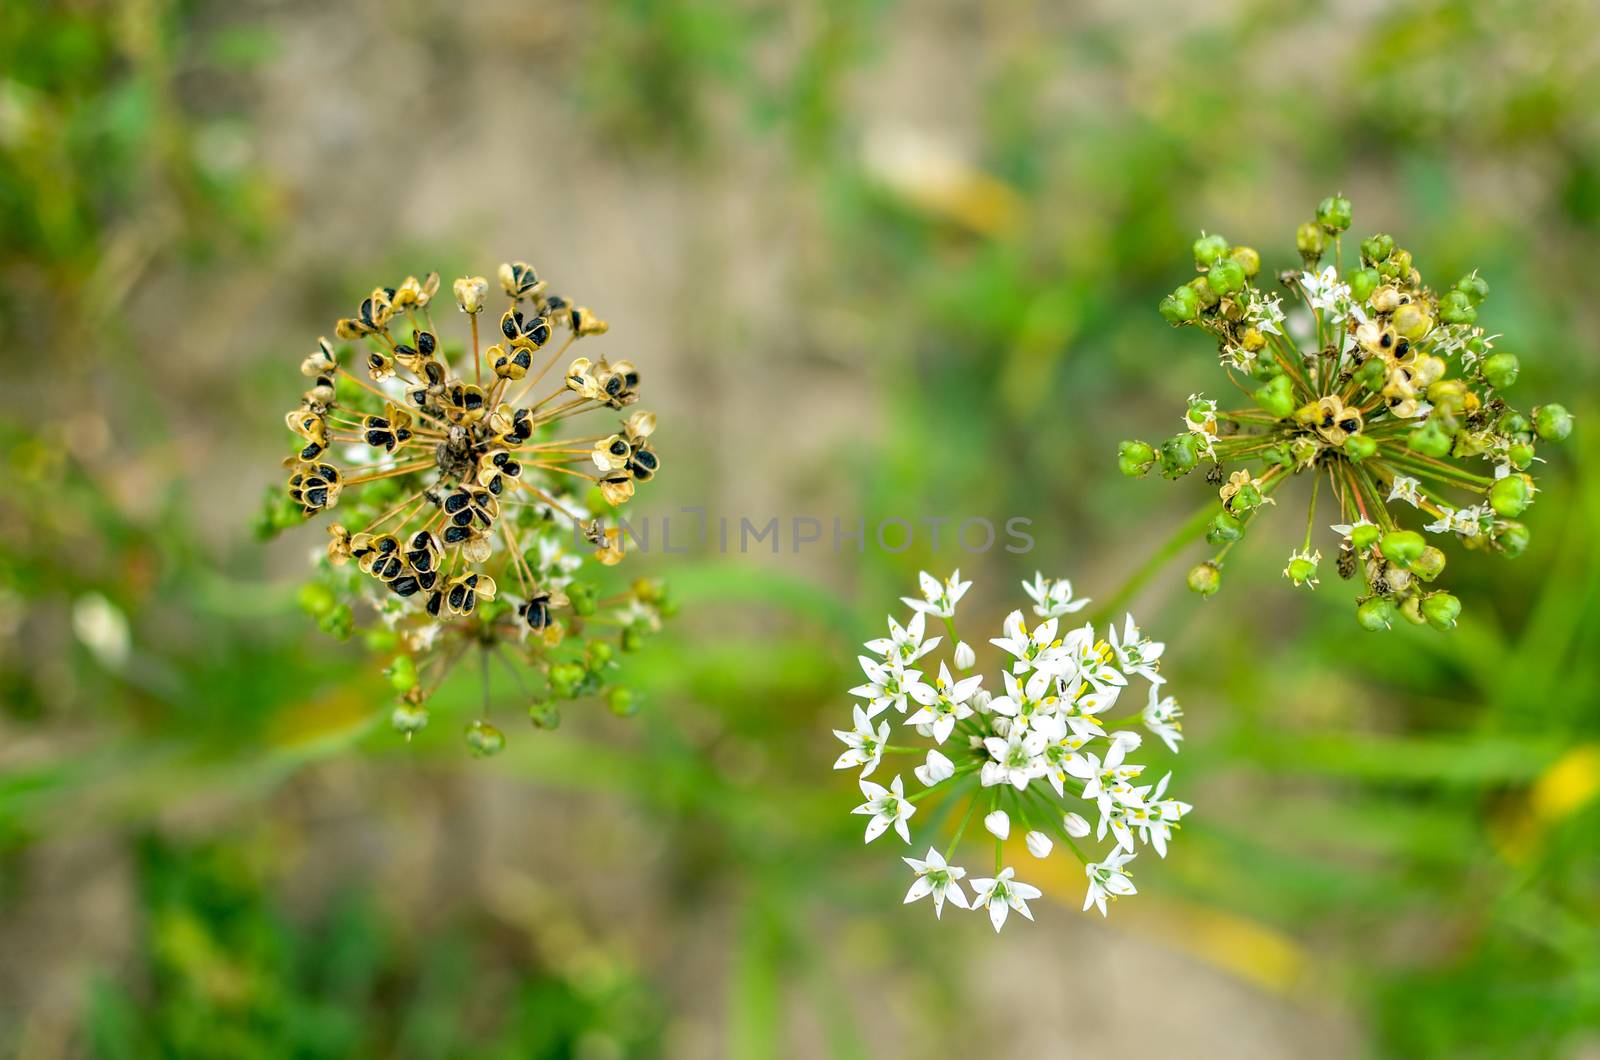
(1192, 528)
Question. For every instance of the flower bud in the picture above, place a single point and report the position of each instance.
(1359, 447)
(544, 714)
(1441, 610)
(1552, 422)
(1134, 458)
(1500, 370)
(470, 293)
(484, 739)
(1039, 844)
(1377, 248)
(1224, 528)
(1511, 495)
(998, 824)
(1429, 565)
(1208, 248)
(1276, 397)
(1333, 213)
(1362, 283)
(935, 770)
(1075, 825)
(1512, 539)
(1181, 306)
(1376, 615)
(1225, 276)
(1402, 547)
(1205, 578)
(1249, 259)
(1475, 287)
(966, 658)
(1308, 238)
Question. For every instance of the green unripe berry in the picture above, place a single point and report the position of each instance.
(402, 673)
(1179, 455)
(1431, 439)
(1249, 259)
(1309, 240)
(484, 739)
(1202, 290)
(1279, 455)
(1514, 422)
(1300, 570)
(1510, 496)
(1376, 615)
(1224, 528)
(1429, 565)
(1370, 374)
(1402, 547)
(316, 599)
(632, 638)
(1500, 369)
(1276, 397)
(1475, 287)
(1520, 454)
(600, 653)
(544, 714)
(565, 679)
(1135, 458)
(1363, 536)
(1362, 283)
(339, 622)
(1377, 248)
(1225, 276)
(408, 718)
(1456, 308)
(1205, 579)
(1247, 499)
(1512, 539)
(1208, 248)
(1359, 447)
(1411, 322)
(1552, 422)
(1441, 610)
(622, 702)
(1333, 213)
(582, 596)
(1181, 306)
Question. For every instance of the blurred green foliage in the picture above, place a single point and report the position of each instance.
(1415, 812)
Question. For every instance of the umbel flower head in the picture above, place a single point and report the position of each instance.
(1381, 390)
(1030, 754)
(462, 514)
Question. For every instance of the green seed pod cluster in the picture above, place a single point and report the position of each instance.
(1389, 400)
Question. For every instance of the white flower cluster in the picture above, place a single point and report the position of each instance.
(1029, 750)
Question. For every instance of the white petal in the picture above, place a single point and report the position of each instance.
(997, 914)
(921, 888)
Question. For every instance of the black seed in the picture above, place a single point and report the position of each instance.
(646, 459)
(404, 586)
(462, 518)
(426, 342)
(455, 502)
(316, 498)
(456, 534)
(458, 596)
